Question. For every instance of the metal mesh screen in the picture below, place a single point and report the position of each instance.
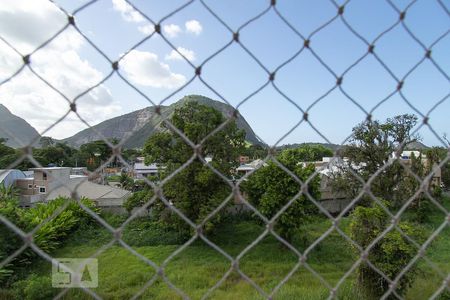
(307, 45)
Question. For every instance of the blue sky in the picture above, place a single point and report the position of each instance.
(114, 27)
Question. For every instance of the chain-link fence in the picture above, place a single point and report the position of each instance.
(307, 45)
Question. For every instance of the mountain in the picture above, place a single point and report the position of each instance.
(137, 126)
(13, 127)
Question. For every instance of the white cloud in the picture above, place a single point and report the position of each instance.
(59, 63)
(172, 30)
(193, 26)
(146, 29)
(174, 55)
(128, 13)
(26, 24)
(144, 68)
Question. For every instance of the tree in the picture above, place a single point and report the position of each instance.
(255, 151)
(46, 141)
(93, 154)
(437, 155)
(370, 150)
(270, 188)
(126, 182)
(196, 190)
(390, 255)
(7, 154)
(58, 154)
(305, 153)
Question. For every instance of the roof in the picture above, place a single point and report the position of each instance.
(7, 177)
(50, 168)
(88, 189)
(251, 166)
(142, 166)
(336, 165)
(28, 173)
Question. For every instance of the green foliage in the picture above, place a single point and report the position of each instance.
(130, 155)
(255, 151)
(34, 288)
(305, 153)
(93, 154)
(58, 154)
(48, 237)
(270, 188)
(138, 199)
(371, 148)
(437, 155)
(145, 232)
(8, 192)
(390, 255)
(126, 182)
(196, 190)
(7, 155)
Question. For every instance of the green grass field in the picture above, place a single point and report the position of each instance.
(199, 267)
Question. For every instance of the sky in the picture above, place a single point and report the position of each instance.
(304, 81)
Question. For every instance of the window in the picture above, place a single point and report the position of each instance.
(42, 190)
(30, 186)
(44, 176)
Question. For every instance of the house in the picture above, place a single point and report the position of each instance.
(247, 168)
(407, 156)
(33, 189)
(8, 177)
(53, 182)
(142, 170)
(79, 171)
(105, 197)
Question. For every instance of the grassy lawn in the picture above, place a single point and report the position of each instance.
(199, 267)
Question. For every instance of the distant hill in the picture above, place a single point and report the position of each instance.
(12, 126)
(333, 147)
(137, 126)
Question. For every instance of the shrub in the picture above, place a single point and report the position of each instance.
(48, 237)
(270, 188)
(390, 255)
(138, 199)
(144, 232)
(34, 288)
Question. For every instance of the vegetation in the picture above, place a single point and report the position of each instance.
(304, 153)
(370, 157)
(59, 154)
(270, 188)
(390, 255)
(196, 190)
(49, 237)
(199, 267)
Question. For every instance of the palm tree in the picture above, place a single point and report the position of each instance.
(126, 182)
